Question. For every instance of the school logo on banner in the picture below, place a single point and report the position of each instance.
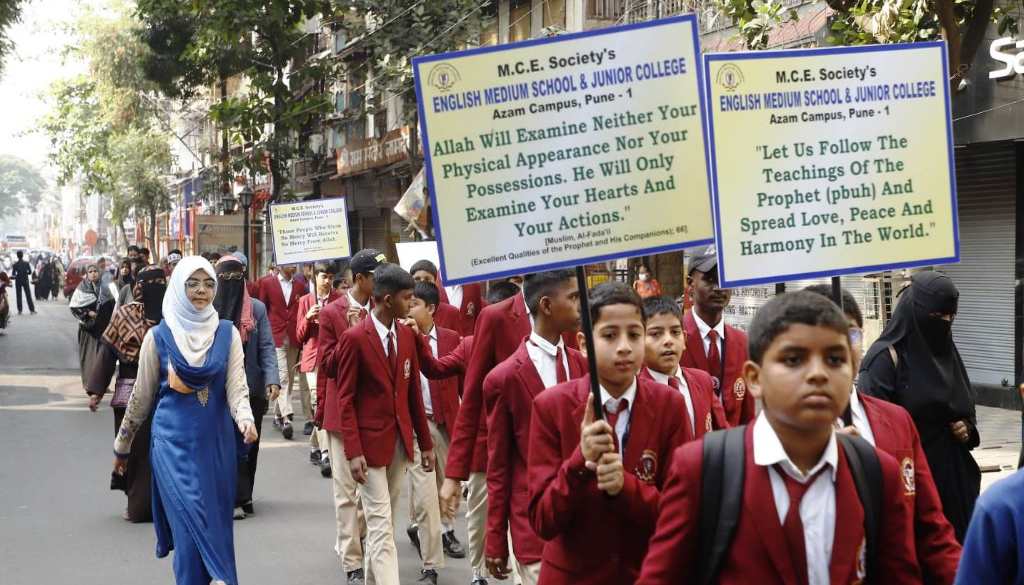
(408, 368)
(739, 389)
(648, 466)
(443, 77)
(907, 472)
(729, 77)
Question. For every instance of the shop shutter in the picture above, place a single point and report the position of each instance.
(983, 330)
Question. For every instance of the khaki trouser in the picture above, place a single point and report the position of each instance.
(528, 574)
(287, 369)
(379, 498)
(351, 526)
(426, 512)
(476, 522)
(318, 440)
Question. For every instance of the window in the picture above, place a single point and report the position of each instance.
(519, 20)
(339, 101)
(554, 13)
(489, 22)
(340, 40)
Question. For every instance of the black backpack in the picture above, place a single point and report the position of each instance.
(722, 495)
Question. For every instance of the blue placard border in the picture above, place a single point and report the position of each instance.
(273, 239)
(745, 56)
(417, 62)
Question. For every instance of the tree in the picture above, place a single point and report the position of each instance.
(10, 14)
(962, 23)
(141, 161)
(204, 42)
(21, 185)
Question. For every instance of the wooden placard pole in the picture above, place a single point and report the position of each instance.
(588, 333)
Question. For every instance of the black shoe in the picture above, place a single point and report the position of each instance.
(325, 467)
(239, 514)
(414, 535)
(452, 546)
(307, 429)
(355, 577)
(248, 509)
(277, 422)
(478, 581)
(286, 430)
(314, 457)
(428, 576)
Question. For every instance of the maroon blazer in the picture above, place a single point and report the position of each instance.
(938, 552)
(308, 331)
(283, 318)
(737, 401)
(444, 394)
(509, 392)
(333, 322)
(758, 553)
(448, 317)
(472, 303)
(707, 410)
(379, 407)
(594, 539)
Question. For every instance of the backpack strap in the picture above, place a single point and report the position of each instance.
(867, 476)
(721, 495)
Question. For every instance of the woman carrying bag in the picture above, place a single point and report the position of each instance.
(192, 367)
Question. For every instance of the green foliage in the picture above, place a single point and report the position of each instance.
(21, 185)
(893, 21)
(10, 14)
(755, 19)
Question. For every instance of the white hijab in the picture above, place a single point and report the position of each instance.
(193, 330)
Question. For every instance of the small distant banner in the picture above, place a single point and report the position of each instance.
(566, 150)
(310, 231)
(831, 161)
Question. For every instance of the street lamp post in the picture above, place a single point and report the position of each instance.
(245, 199)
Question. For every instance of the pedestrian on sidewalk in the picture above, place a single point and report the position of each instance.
(192, 367)
(307, 330)
(993, 544)
(281, 294)
(5, 306)
(119, 352)
(250, 318)
(93, 310)
(915, 364)
(22, 273)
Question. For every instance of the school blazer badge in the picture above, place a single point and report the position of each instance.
(907, 473)
(739, 388)
(707, 423)
(471, 309)
(408, 368)
(647, 468)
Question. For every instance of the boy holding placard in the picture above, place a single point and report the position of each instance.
(787, 499)
(540, 362)
(594, 485)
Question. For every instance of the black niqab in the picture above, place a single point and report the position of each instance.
(152, 284)
(937, 384)
(228, 301)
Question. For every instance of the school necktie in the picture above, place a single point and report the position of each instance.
(560, 374)
(793, 525)
(392, 354)
(674, 383)
(612, 409)
(715, 362)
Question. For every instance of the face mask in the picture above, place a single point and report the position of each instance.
(645, 277)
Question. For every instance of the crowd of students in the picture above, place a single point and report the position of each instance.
(819, 476)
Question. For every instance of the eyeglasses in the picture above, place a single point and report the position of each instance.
(229, 276)
(193, 284)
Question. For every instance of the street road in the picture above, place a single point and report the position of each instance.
(59, 522)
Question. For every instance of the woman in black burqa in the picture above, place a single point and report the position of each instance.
(915, 364)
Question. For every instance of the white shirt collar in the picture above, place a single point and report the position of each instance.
(280, 276)
(432, 334)
(768, 451)
(704, 328)
(629, 395)
(663, 378)
(545, 345)
(383, 331)
(352, 301)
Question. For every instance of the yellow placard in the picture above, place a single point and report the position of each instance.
(565, 151)
(310, 231)
(831, 161)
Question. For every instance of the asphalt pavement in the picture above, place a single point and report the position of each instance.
(59, 522)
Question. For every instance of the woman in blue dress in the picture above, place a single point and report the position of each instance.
(191, 378)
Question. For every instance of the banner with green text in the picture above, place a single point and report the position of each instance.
(567, 150)
(831, 161)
